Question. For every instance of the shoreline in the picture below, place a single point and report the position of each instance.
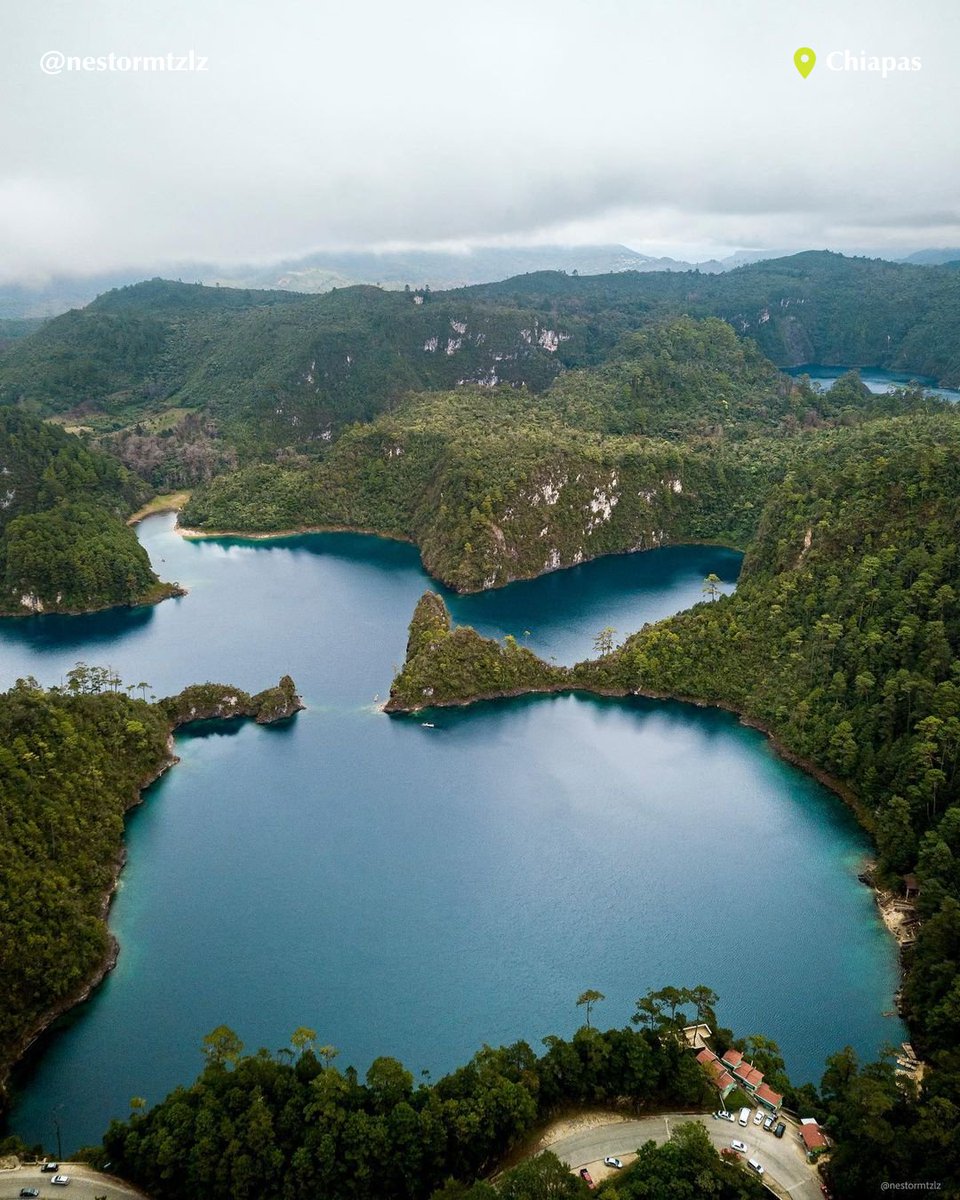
(157, 594)
(897, 915)
(88, 986)
(168, 502)
(837, 786)
(108, 961)
(281, 534)
(192, 534)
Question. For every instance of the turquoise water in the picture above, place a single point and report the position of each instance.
(877, 380)
(419, 892)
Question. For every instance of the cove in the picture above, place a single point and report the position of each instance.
(418, 892)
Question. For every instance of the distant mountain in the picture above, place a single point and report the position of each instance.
(933, 258)
(325, 270)
(444, 269)
(57, 294)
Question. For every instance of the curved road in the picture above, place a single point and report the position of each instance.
(786, 1169)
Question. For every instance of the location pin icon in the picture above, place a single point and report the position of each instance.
(805, 60)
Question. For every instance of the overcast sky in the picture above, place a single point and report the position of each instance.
(670, 125)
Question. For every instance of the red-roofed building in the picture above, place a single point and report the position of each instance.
(813, 1139)
(749, 1076)
(722, 1079)
(732, 1059)
(768, 1097)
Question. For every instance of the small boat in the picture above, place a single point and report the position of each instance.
(427, 725)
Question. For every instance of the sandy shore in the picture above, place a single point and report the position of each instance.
(171, 502)
(246, 535)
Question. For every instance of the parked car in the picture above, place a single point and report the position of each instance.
(50, 1167)
(739, 1146)
(723, 1115)
(587, 1177)
(780, 1130)
(29, 1191)
(754, 1166)
(613, 1162)
(758, 1117)
(768, 1123)
(62, 1180)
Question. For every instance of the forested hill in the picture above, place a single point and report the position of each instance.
(843, 638)
(676, 438)
(276, 370)
(72, 761)
(814, 307)
(64, 544)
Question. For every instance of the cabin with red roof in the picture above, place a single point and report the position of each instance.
(766, 1096)
(812, 1136)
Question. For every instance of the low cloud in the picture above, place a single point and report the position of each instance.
(319, 127)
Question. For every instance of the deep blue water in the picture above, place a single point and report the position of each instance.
(877, 380)
(419, 892)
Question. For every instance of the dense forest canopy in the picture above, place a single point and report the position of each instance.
(72, 761)
(676, 438)
(64, 544)
(292, 1123)
(274, 369)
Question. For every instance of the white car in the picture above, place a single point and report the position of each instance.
(758, 1119)
(62, 1180)
(613, 1162)
(739, 1147)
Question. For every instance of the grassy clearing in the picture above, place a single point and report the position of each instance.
(168, 502)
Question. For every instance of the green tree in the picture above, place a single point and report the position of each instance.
(711, 586)
(589, 998)
(603, 642)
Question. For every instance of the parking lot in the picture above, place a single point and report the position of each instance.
(786, 1170)
(85, 1184)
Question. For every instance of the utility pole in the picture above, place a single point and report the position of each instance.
(56, 1125)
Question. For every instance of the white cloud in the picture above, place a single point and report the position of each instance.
(316, 124)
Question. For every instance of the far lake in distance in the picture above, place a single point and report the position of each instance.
(419, 891)
(876, 379)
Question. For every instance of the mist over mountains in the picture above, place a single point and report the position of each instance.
(392, 269)
(324, 270)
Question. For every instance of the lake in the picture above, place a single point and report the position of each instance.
(876, 379)
(418, 892)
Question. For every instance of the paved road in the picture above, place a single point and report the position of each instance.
(783, 1158)
(85, 1184)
